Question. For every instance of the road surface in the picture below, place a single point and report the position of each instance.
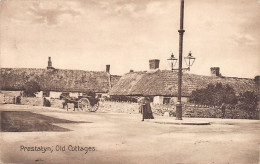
(124, 138)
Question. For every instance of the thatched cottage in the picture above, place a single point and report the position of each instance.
(53, 81)
(162, 85)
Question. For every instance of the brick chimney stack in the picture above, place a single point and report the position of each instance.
(50, 64)
(214, 71)
(154, 64)
(108, 68)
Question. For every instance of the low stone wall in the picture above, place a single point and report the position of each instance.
(37, 101)
(130, 107)
(192, 111)
(242, 114)
(5, 99)
(170, 110)
(118, 107)
(160, 109)
(34, 101)
(207, 112)
(56, 103)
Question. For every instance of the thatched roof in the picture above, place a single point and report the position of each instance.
(114, 79)
(163, 82)
(55, 79)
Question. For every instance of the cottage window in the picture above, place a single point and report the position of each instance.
(46, 93)
(166, 100)
(151, 99)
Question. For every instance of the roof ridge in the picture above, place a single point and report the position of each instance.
(53, 69)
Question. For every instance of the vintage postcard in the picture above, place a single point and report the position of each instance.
(129, 81)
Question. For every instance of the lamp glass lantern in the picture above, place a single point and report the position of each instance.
(189, 60)
(172, 61)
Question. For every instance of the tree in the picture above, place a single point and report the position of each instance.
(248, 100)
(31, 88)
(229, 95)
(214, 95)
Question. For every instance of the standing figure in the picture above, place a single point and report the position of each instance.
(223, 110)
(18, 100)
(14, 100)
(145, 108)
(46, 102)
(4, 100)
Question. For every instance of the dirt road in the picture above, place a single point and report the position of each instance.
(124, 138)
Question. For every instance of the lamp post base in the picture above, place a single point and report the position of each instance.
(178, 111)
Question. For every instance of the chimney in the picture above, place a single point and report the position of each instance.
(131, 70)
(154, 64)
(108, 68)
(50, 64)
(214, 71)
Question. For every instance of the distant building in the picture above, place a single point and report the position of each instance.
(162, 85)
(53, 81)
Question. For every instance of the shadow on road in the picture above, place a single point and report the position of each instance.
(25, 121)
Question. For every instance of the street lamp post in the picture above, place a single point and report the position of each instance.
(181, 31)
(189, 60)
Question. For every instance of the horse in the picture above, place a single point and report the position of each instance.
(70, 101)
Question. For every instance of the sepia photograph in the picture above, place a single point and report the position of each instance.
(130, 81)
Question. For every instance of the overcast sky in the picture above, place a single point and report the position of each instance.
(88, 34)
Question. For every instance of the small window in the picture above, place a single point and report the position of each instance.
(166, 100)
(46, 93)
(151, 99)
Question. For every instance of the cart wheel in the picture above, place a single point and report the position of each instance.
(84, 104)
(94, 108)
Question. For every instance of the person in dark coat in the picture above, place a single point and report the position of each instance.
(46, 102)
(145, 108)
(18, 100)
(223, 110)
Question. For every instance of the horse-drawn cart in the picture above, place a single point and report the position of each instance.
(86, 103)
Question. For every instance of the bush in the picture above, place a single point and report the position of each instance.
(31, 88)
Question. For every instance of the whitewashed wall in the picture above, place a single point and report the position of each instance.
(183, 99)
(158, 100)
(55, 94)
(74, 94)
(39, 94)
(10, 93)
